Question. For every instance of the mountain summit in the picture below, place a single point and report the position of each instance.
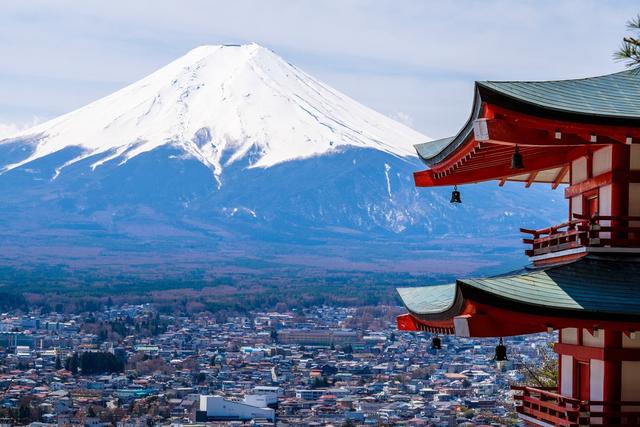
(221, 104)
(230, 164)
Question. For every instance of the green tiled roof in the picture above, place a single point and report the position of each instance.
(605, 99)
(429, 299)
(590, 285)
(615, 95)
(426, 150)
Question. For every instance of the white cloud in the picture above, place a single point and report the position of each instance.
(403, 118)
(7, 130)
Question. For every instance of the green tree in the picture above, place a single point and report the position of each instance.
(320, 382)
(468, 413)
(629, 51)
(100, 363)
(200, 378)
(24, 412)
(72, 363)
(58, 363)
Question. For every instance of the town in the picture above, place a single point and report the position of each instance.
(134, 366)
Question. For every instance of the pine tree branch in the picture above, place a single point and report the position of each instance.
(629, 51)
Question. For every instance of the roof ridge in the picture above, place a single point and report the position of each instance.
(635, 70)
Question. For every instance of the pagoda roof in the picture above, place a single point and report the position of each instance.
(613, 95)
(593, 287)
(612, 99)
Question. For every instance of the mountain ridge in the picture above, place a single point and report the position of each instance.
(288, 194)
(220, 104)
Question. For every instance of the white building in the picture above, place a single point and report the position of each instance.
(219, 408)
(261, 400)
(315, 394)
(263, 389)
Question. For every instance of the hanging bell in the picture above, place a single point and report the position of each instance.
(501, 352)
(516, 160)
(455, 195)
(436, 343)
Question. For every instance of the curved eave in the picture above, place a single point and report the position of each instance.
(433, 303)
(612, 100)
(589, 290)
(434, 152)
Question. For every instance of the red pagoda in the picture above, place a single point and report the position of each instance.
(584, 276)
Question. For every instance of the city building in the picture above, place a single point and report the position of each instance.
(317, 337)
(217, 408)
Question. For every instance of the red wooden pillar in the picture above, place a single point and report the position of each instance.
(620, 159)
(612, 384)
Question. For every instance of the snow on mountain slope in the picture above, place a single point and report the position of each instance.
(220, 104)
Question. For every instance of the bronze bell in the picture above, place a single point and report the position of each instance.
(455, 195)
(436, 344)
(501, 352)
(516, 160)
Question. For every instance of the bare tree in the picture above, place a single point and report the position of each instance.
(543, 372)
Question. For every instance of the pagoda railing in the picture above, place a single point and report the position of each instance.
(597, 231)
(549, 407)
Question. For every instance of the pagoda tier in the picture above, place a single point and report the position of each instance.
(584, 280)
(594, 292)
(553, 123)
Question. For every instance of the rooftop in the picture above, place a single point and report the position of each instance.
(609, 99)
(593, 287)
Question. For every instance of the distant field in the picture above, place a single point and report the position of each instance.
(54, 289)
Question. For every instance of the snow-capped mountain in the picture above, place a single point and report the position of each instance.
(220, 104)
(231, 162)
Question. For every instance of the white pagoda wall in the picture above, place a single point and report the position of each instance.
(566, 375)
(579, 170)
(593, 340)
(634, 202)
(630, 373)
(567, 336)
(602, 161)
(634, 157)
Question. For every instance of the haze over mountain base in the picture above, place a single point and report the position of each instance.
(352, 214)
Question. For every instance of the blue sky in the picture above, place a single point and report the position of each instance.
(412, 60)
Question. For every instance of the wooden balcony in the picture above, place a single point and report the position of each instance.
(545, 407)
(598, 231)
